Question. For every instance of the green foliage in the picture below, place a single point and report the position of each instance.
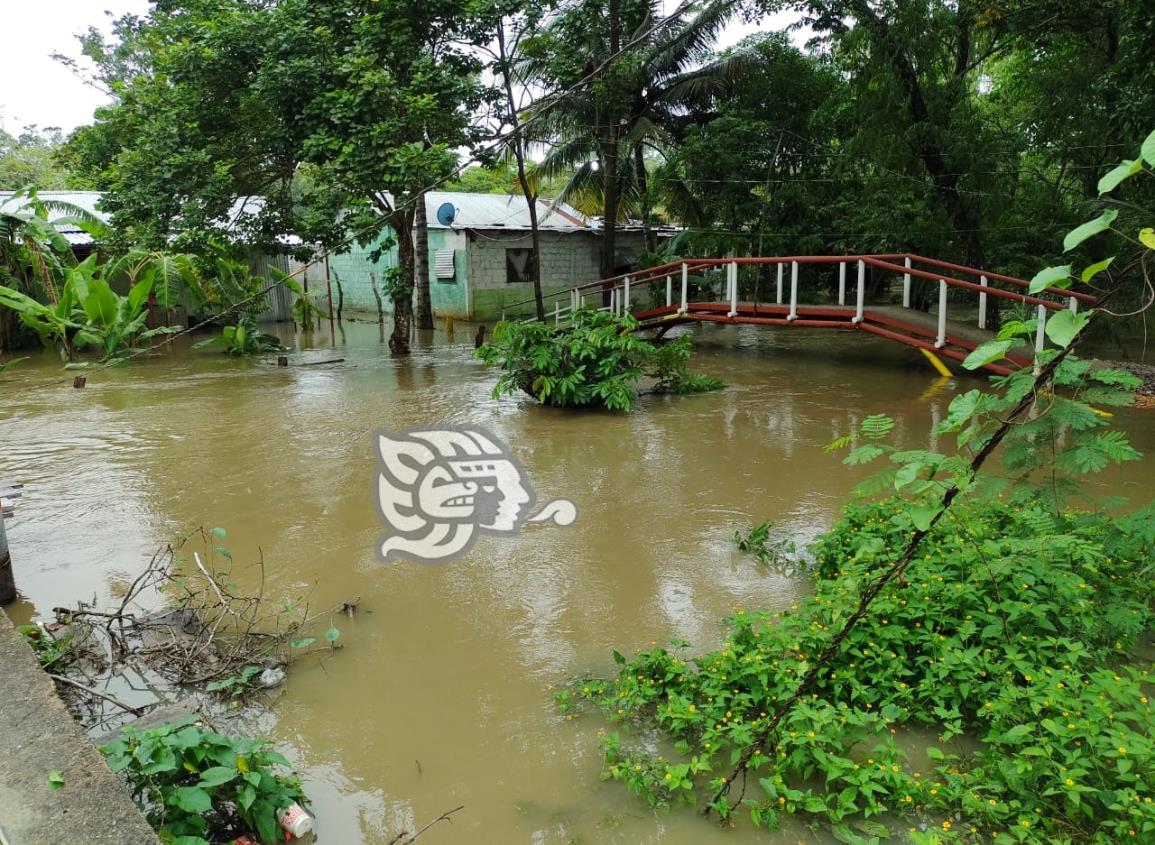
(30, 158)
(1014, 626)
(89, 313)
(198, 787)
(51, 651)
(767, 549)
(595, 361)
(244, 338)
(236, 687)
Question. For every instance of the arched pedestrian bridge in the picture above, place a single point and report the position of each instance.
(934, 305)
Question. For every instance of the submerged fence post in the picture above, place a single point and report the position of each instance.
(7, 577)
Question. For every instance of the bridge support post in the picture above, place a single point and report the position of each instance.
(793, 315)
(669, 291)
(557, 313)
(733, 268)
(942, 291)
(626, 295)
(861, 303)
(1073, 304)
(906, 284)
(842, 283)
(983, 303)
(685, 287)
(781, 268)
(1040, 332)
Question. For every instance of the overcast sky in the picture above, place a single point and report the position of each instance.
(37, 90)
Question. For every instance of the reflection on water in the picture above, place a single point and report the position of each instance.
(441, 696)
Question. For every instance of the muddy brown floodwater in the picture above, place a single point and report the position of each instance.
(442, 694)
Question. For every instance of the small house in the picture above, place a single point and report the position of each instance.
(480, 252)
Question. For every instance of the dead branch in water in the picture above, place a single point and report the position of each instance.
(404, 838)
(208, 632)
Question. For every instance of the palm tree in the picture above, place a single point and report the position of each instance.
(645, 72)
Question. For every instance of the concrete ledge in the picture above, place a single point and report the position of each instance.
(39, 735)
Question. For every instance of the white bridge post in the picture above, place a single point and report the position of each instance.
(781, 268)
(983, 303)
(1073, 305)
(669, 290)
(859, 307)
(793, 315)
(733, 288)
(1040, 336)
(685, 287)
(842, 283)
(942, 291)
(626, 296)
(906, 284)
(557, 312)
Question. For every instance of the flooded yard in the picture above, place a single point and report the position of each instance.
(442, 694)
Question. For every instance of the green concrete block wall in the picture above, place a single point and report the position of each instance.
(357, 272)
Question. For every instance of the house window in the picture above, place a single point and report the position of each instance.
(518, 266)
(443, 267)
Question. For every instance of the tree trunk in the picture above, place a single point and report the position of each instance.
(609, 161)
(644, 191)
(421, 266)
(522, 177)
(402, 289)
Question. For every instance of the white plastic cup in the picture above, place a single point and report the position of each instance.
(295, 821)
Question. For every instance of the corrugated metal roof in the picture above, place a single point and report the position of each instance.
(85, 200)
(501, 211)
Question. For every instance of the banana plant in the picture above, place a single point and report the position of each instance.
(113, 323)
(54, 323)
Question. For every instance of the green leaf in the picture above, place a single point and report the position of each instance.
(1148, 149)
(1116, 175)
(1147, 237)
(923, 515)
(619, 658)
(1016, 733)
(216, 776)
(192, 799)
(304, 642)
(1095, 269)
(988, 353)
(55, 779)
(1045, 278)
(218, 532)
(1089, 229)
(1064, 326)
(332, 635)
(246, 795)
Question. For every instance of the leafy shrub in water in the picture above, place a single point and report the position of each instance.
(1015, 627)
(595, 361)
(197, 787)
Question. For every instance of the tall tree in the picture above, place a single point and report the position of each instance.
(632, 99)
(368, 99)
